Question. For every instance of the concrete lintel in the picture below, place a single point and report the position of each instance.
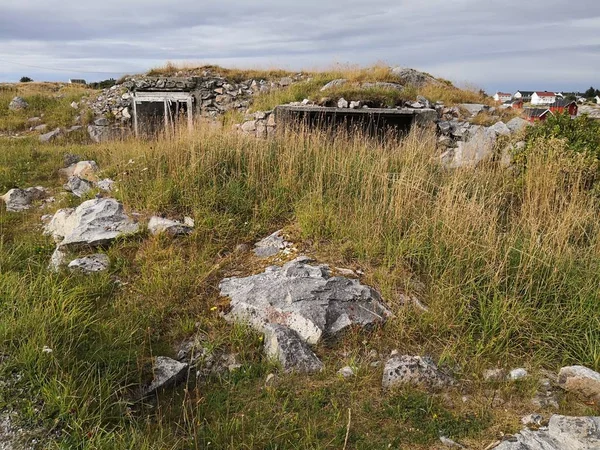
(357, 112)
(161, 96)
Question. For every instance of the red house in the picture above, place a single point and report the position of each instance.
(536, 114)
(561, 106)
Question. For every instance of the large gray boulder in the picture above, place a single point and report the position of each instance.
(473, 108)
(413, 77)
(17, 104)
(580, 380)
(478, 148)
(501, 129)
(304, 298)
(93, 223)
(167, 372)
(21, 199)
(562, 433)
(287, 347)
(414, 371)
(517, 124)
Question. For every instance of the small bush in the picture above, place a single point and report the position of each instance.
(26, 80)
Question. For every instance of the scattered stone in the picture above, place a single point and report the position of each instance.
(494, 375)
(50, 136)
(355, 104)
(334, 83)
(40, 128)
(342, 103)
(158, 225)
(414, 371)
(93, 223)
(249, 126)
(101, 122)
(82, 169)
(57, 260)
(532, 420)
(90, 264)
(562, 433)
(346, 372)
(78, 186)
(517, 124)
(106, 185)
(285, 81)
(21, 199)
(305, 298)
(345, 272)
(450, 443)
(473, 108)
(74, 105)
(517, 374)
(293, 353)
(270, 380)
(167, 372)
(580, 380)
(18, 104)
(271, 245)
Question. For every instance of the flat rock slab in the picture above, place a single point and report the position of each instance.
(562, 433)
(286, 346)
(93, 223)
(167, 372)
(20, 199)
(304, 298)
(414, 371)
(271, 245)
(90, 264)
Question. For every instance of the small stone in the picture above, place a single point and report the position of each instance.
(249, 126)
(342, 103)
(167, 372)
(21, 199)
(158, 225)
(50, 136)
(494, 375)
(517, 374)
(106, 185)
(355, 104)
(90, 264)
(270, 380)
(74, 105)
(449, 442)
(78, 186)
(83, 169)
(293, 353)
(346, 372)
(532, 420)
(580, 380)
(271, 245)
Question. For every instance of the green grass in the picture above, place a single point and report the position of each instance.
(507, 262)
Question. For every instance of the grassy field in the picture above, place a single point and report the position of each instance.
(508, 263)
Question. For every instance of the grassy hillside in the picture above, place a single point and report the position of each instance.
(508, 263)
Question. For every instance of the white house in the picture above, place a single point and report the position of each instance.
(523, 95)
(502, 97)
(597, 99)
(543, 98)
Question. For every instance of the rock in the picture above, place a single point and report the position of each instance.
(580, 380)
(355, 105)
(40, 128)
(305, 298)
(414, 371)
(450, 443)
(500, 129)
(517, 374)
(346, 372)
(287, 346)
(517, 124)
(125, 113)
(158, 225)
(271, 245)
(532, 420)
(342, 103)
(473, 108)
(78, 186)
(414, 77)
(334, 83)
(167, 372)
(101, 122)
(74, 105)
(249, 126)
(93, 223)
(562, 433)
(345, 272)
(285, 81)
(57, 260)
(494, 375)
(545, 397)
(50, 136)
(90, 264)
(426, 103)
(478, 148)
(20, 199)
(70, 159)
(18, 104)
(82, 169)
(73, 128)
(106, 185)
(259, 115)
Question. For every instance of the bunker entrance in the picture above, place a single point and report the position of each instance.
(154, 112)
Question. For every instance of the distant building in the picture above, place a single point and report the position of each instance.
(502, 97)
(536, 114)
(561, 106)
(523, 95)
(514, 104)
(76, 81)
(543, 98)
(597, 99)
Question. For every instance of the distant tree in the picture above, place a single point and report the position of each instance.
(571, 97)
(25, 80)
(104, 84)
(591, 92)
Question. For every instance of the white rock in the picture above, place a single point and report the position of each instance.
(82, 169)
(517, 124)
(500, 129)
(271, 245)
(106, 185)
(74, 105)
(342, 103)
(78, 186)
(346, 372)
(517, 374)
(20, 199)
(532, 420)
(290, 350)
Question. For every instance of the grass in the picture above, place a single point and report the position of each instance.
(51, 102)
(507, 262)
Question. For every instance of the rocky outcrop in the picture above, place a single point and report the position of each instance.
(287, 347)
(90, 264)
(562, 433)
(93, 223)
(167, 372)
(414, 371)
(305, 298)
(580, 380)
(517, 125)
(158, 225)
(21, 199)
(414, 77)
(18, 104)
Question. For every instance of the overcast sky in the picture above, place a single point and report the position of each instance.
(494, 44)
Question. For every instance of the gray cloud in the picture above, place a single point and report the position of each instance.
(497, 45)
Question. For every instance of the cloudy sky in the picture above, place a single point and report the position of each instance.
(494, 44)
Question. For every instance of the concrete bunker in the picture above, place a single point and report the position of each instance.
(371, 121)
(154, 111)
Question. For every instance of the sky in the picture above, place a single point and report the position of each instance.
(497, 45)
